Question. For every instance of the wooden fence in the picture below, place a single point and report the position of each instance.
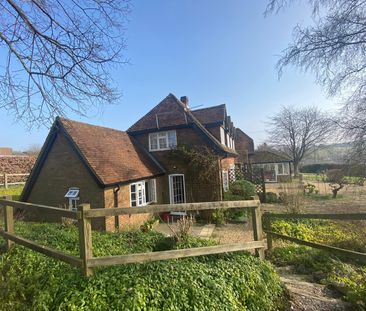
(269, 217)
(6, 183)
(86, 262)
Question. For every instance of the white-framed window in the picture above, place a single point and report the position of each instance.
(73, 195)
(227, 140)
(225, 180)
(143, 192)
(162, 140)
(280, 169)
(222, 135)
(177, 189)
(283, 169)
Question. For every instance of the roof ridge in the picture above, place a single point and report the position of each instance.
(150, 111)
(211, 107)
(62, 119)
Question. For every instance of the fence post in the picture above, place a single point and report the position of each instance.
(8, 221)
(6, 181)
(85, 239)
(268, 227)
(257, 229)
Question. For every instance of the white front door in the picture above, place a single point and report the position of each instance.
(177, 189)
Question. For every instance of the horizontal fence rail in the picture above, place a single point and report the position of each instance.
(72, 260)
(173, 254)
(267, 221)
(6, 183)
(328, 248)
(84, 214)
(340, 216)
(103, 212)
(46, 210)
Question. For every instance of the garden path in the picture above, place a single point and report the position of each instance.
(308, 296)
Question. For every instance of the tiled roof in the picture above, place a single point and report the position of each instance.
(266, 156)
(209, 115)
(167, 113)
(171, 112)
(112, 155)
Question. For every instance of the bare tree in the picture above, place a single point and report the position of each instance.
(297, 131)
(58, 56)
(33, 149)
(334, 50)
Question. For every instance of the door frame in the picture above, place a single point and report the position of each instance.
(171, 188)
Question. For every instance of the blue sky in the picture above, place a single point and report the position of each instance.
(212, 51)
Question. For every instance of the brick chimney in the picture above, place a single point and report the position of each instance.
(185, 101)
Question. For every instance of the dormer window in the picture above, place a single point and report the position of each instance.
(162, 140)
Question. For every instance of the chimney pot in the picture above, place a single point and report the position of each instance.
(185, 101)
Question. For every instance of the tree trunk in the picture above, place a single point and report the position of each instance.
(296, 168)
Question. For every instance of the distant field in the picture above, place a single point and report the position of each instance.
(13, 191)
(323, 178)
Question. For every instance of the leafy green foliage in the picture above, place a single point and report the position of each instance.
(242, 188)
(326, 269)
(271, 197)
(31, 281)
(219, 216)
(340, 234)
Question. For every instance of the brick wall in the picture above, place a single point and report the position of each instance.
(6, 151)
(61, 170)
(215, 131)
(124, 222)
(195, 192)
(227, 163)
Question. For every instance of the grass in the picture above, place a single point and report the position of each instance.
(323, 197)
(14, 191)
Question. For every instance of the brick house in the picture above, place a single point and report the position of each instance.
(109, 168)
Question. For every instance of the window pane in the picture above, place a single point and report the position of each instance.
(172, 139)
(163, 143)
(280, 168)
(151, 191)
(153, 141)
(177, 189)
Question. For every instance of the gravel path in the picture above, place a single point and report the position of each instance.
(307, 296)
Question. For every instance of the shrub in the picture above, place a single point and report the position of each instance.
(243, 188)
(31, 281)
(219, 216)
(271, 197)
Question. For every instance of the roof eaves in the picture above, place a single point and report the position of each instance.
(39, 162)
(140, 146)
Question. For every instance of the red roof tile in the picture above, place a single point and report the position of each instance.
(112, 155)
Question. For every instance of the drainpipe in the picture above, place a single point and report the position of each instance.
(221, 194)
(115, 197)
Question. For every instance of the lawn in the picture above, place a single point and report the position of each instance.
(14, 191)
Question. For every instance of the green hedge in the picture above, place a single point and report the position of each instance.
(31, 281)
